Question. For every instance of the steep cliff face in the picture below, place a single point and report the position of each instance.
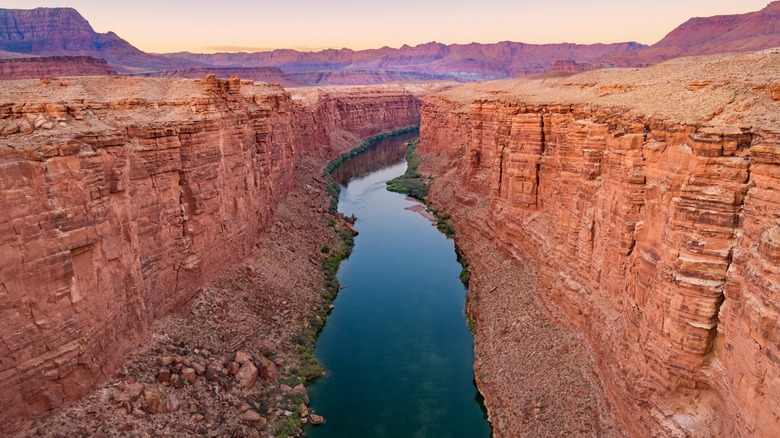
(646, 211)
(53, 66)
(122, 197)
(340, 116)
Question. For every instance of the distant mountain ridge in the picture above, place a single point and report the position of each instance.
(64, 32)
(465, 62)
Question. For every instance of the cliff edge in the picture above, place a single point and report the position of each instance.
(642, 207)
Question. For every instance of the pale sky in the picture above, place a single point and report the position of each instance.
(246, 25)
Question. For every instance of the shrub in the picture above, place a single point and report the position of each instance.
(411, 183)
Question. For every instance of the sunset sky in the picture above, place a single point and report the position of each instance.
(247, 25)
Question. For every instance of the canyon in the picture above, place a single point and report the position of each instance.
(642, 208)
(125, 196)
(621, 226)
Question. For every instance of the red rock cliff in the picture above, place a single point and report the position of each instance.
(647, 212)
(122, 196)
(53, 66)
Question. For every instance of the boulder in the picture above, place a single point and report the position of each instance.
(247, 375)
(268, 371)
(300, 390)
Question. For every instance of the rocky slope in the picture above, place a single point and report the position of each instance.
(709, 35)
(53, 66)
(125, 196)
(63, 31)
(640, 208)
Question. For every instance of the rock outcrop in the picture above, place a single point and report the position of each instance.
(645, 211)
(123, 196)
(271, 75)
(53, 66)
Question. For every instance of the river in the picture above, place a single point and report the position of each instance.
(397, 348)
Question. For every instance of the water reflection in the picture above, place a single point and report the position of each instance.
(383, 154)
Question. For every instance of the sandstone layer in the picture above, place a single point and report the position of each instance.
(124, 196)
(643, 207)
(53, 66)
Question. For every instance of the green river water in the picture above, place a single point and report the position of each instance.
(397, 348)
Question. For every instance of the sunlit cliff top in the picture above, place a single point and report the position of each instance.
(741, 90)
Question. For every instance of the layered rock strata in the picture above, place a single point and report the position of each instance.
(53, 66)
(123, 196)
(644, 207)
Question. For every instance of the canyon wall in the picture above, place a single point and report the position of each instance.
(53, 66)
(339, 117)
(648, 212)
(122, 196)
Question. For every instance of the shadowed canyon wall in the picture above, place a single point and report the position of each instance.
(649, 212)
(122, 196)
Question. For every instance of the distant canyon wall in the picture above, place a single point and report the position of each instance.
(53, 66)
(123, 196)
(658, 240)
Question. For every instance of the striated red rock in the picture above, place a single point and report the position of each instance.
(339, 117)
(646, 213)
(53, 66)
(142, 191)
